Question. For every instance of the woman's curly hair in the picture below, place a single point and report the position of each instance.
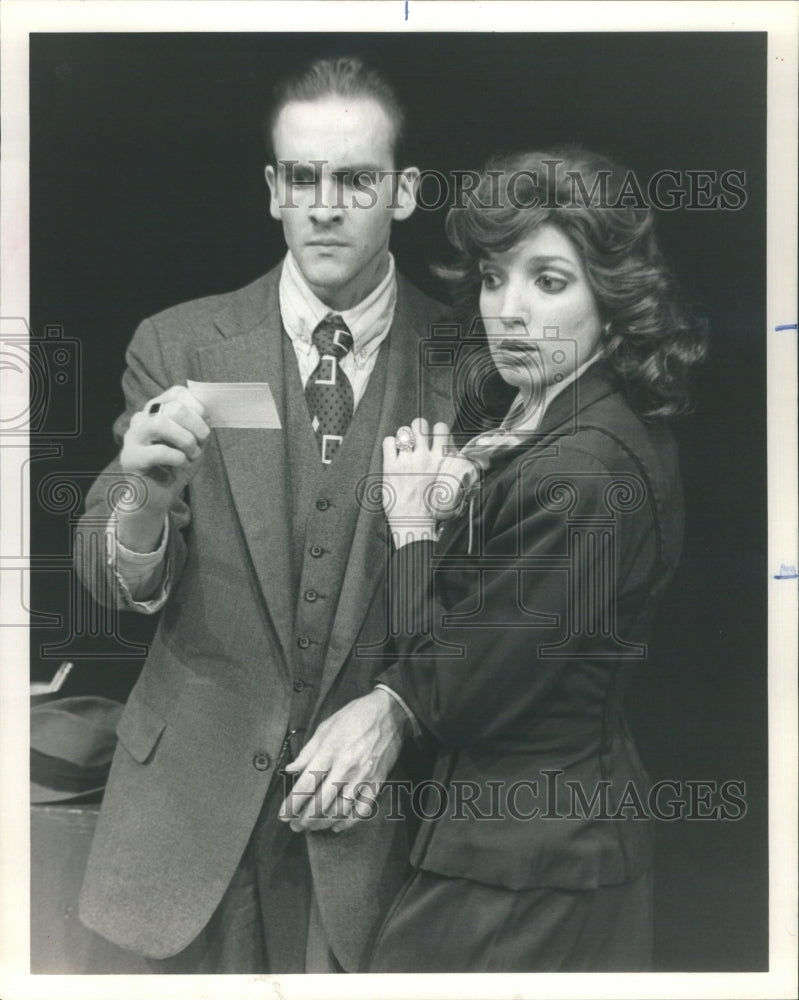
(651, 341)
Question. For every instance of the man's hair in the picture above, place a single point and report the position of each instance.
(650, 339)
(338, 76)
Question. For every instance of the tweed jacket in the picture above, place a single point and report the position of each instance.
(202, 732)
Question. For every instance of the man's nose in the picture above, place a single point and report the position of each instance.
(328, 203)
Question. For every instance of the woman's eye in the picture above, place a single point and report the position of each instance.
(551, 283)
(490, 280)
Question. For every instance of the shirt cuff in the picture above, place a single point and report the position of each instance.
(416, 729)
(143, 577)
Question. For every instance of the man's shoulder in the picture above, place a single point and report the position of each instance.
(245, 305)
(413, 303)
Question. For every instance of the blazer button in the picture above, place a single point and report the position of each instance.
(303, 642)
(316, 551)
(322, 504)
(299, 686)
(310, 595)
(261, 762)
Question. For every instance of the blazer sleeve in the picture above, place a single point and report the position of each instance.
(470, 636)
(145, 376)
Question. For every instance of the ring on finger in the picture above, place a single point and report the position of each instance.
(405, 439)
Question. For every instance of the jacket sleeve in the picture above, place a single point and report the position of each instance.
(145, 376)
(471, 632)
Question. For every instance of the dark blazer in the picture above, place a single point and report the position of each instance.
(203, 728)
(534, 635)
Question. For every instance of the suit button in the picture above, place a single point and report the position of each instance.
(261, 762)
(322, 504)
(316, 551)
(310, 595)
(299, 686)
(303, 642)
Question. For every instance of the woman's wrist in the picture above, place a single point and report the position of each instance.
(407, 531)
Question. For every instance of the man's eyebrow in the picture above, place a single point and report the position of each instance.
(308, 166)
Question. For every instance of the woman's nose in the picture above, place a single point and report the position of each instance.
(515, 306)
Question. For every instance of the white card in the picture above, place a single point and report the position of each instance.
(236, 404)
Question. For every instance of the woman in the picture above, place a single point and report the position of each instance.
(520, 618)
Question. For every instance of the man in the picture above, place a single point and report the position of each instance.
(268, 570)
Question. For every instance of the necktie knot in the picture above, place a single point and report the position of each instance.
(332, 337)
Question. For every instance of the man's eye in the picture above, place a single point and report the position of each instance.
(551, 283)
(301, 180)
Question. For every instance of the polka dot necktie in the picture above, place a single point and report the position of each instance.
(329, 392)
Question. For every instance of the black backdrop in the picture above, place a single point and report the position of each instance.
(147, 189)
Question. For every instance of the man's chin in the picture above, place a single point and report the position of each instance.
(327, 275)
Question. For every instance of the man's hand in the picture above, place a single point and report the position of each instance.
(360, 743)
(163, 445)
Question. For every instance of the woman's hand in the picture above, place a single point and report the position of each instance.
(411, 484)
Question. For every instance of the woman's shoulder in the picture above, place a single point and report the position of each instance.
(607, 446)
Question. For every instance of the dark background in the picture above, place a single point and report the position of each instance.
(147, 189)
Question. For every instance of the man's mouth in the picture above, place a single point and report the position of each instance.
(326, 243)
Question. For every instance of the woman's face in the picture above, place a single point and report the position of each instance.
(539, 311)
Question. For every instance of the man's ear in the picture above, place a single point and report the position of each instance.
(274, 196)
(404, 197)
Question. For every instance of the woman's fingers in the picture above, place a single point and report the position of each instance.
(421, 431)
(441, 442)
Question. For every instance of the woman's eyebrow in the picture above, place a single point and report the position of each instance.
(540, 259)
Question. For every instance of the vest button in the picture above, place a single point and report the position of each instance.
(316, 551)
(310, 595)
(303, 642)
(299, 686)
(261, 762)
(322, 504)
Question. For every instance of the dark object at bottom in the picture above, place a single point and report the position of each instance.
(441, 924)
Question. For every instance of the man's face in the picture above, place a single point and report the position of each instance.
(335, 208)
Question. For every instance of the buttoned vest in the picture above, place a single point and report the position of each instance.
(323, 523)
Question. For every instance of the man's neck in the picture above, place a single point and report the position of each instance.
(356, 291)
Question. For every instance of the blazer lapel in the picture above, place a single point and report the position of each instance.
(370, 548)
(255, 459)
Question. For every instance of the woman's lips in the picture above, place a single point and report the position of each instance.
(518, 348)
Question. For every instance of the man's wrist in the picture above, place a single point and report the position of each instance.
(394, 710)
(413, 728)
(140, 531)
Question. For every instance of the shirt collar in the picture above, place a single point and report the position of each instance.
(302, 310)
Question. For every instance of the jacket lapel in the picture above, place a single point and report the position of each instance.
(370, 548)
(565, 414)
(255, 460)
